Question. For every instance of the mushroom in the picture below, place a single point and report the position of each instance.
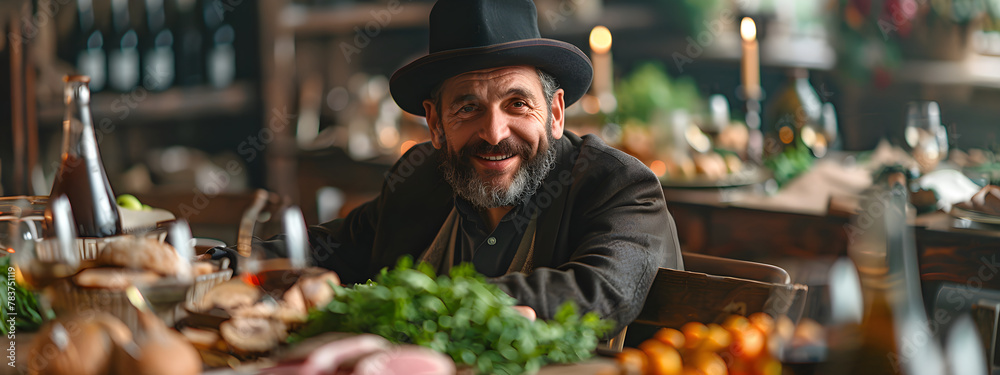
(252, 336)
(158, 350)
(229, 296)
(80, 345)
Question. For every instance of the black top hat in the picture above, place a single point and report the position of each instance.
(468, 35)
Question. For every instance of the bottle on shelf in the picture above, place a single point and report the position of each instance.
(188, 54)
(88, 46)
(123, 49)
(158, 48)
(220, 56)
(81, 176)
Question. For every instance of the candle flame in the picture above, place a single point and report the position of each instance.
(600, 39)
(591, 104)
(658, 167)
(406, 146)
(748, 30)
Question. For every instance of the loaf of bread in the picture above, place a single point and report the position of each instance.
(144, 253)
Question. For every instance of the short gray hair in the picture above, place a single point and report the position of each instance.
(549, 85)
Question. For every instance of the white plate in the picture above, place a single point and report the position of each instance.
(978, 217)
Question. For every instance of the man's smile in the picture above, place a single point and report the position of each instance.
(495, 157)
(495, 162)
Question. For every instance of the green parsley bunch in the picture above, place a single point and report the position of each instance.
(459, 314)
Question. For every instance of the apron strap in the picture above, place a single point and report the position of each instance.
(441, 253)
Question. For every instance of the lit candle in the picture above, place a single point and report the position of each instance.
(751, 59)
(600, 45)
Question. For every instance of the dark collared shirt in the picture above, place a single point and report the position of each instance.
(490, 252)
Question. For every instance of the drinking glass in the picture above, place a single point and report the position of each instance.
(925, 137)
(45, 261)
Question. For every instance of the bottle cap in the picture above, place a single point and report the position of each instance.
(76, 78)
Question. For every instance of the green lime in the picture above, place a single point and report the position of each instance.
(129, 201)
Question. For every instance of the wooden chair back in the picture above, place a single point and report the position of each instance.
(713, 288)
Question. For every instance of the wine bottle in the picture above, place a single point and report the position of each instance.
(91, 59)
(895, 337)
(158, 48)
(123, 49)
(220, 63)
(188, 44)
(794, 118)
(81, 176)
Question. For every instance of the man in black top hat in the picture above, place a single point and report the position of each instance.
(546, 215)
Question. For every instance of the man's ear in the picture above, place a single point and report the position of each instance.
(558, 109)
(434, 123)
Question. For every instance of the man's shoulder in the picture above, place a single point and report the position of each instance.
(416, 170)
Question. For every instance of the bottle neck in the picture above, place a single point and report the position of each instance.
(156, 15)
(120, 16)
(85, 10)
(78, 127)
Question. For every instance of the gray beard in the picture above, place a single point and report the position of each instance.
(468, 185)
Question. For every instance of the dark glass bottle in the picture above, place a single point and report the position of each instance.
(895, 336)
(81, 176)
(188, 51)
(794, 117)
(220, 57)
(123, 49)
(158, 48)
(88, 48)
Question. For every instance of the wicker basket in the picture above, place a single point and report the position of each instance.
(164, 298)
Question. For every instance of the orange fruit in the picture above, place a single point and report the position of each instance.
(670, 337)
(694, 334)
(710, 363)
(663, 359)
(736, 323)
(632, 361)
(749, 344)
(717, 339)
(688, 370)
(763, 322)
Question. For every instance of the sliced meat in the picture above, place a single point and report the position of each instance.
(406, 360)
(329, 357)
(316, 290)
(991, 203)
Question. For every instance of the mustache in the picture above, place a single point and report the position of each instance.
(509, 145)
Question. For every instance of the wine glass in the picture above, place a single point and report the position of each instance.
(276, 275)
(20, 220)
(44, 262)
(926, 138)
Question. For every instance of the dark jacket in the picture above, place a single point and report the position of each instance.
(603, 229)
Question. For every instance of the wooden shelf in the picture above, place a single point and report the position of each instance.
(320, 21)
(179, 103)
(313, 21)
(976, 71)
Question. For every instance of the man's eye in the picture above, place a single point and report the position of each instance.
(520, 104)
(466, 109)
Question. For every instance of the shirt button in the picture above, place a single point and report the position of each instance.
(491, 241)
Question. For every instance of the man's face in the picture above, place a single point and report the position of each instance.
(496, 128)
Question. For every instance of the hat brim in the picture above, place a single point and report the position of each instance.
(412, 84)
